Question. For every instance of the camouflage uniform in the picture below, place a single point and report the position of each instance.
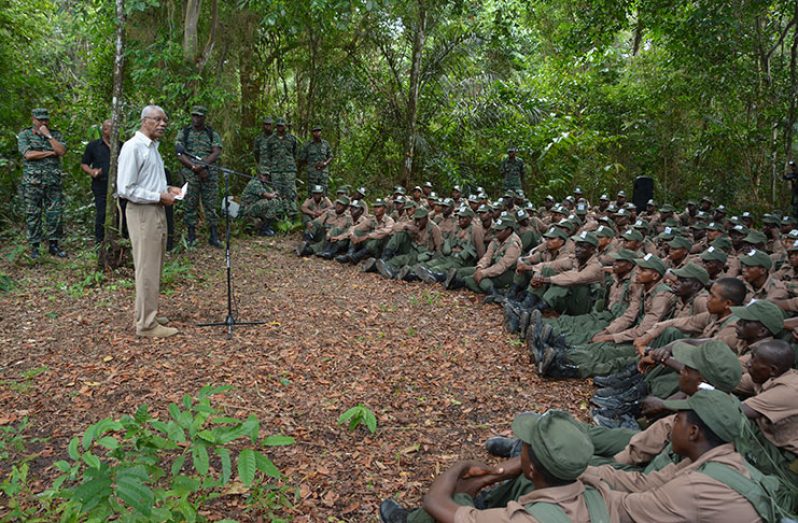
(513, 172)
(199, 143)
(261, 153)
(41, 187)
(255, 205)
(312, 153)
(282, 151)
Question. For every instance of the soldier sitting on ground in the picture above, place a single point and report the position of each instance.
(319, 231)
(315, 205)
(261, 202)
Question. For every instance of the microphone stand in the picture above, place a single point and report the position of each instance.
(230, 320)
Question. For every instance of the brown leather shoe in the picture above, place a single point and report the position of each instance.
(159, 331)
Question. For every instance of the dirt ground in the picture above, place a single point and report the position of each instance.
(435, 366)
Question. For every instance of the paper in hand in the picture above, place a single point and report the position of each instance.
(183, 191)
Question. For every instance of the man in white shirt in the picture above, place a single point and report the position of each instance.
(141, 180)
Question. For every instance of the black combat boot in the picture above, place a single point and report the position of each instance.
(360, 255)
(34, 251)
(55, 250)
(346, 257)
(213, 238)
(266, 229)
(191, 239)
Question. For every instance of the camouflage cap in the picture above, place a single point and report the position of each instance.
(432, 196)
(586, 237)
(692, 203)
(625, 255)
(379, 202)
(697, 226)
(555, 232)
(765, 312)
(621, 194)
(561, 447)
(316, 127)
(503, 223)
(604, 232)
(421, 212)
(509, 194)
(268, 120)
(714, 254)
(465, 210)
(747, 215)
(692, 271)
(680, 242)
(716, 361)
(417, 188)
(317, 189)
(788, 220)
(343, 200)
(718, 410)
(40, 113)
(792, 235)
(632, 235)
(280, 122)
(755, 237)
(623, 211)
(650, 261)
(559, 209)
(570, 198)
(199, 110)
(400, 200)
(756, 258)
(581, 209)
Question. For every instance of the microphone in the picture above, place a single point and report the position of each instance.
(181, 151)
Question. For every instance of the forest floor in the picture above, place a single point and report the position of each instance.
(435, 367)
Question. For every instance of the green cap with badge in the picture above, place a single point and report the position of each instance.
(715, 226)
(40, 113)
(723, 243)
(361, 191)
(280, 122)
(199, 110)
(650, 261)
(484, 208)
(604, 232)
(632, 235)
(521, 215)
(465, 210)
(502, 223)
(765, 312)
(718, 410)
(755, 237)
(694, 272)
(756, 258)
(717, 363)
(680, 242)
(714, 254)
(625, 255)
(399, 190)
(586, 237)
(421, 212)
(557, 442)
(556, 232)
(379, 202)
(357, 204)
(343, 200)
(317, 189)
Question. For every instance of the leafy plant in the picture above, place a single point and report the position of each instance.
(286, 226)
(359, 415)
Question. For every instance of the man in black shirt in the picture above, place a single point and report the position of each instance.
(96, 163)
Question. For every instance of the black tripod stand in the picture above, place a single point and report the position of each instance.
(230, 321)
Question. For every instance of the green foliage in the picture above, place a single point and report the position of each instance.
(140, 468)
(176, 270)
(359, 415)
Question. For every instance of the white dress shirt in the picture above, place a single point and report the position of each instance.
(140, 175)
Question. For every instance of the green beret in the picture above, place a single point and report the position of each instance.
(343, 200)
(632, 235)
(693, 271)
(379, 202)
(716, 362)
(556, 441)
(605, 232)
(718, 410)
(555, 232)
(649, 261)
(466, 211)
(755, 237)
(40, 113)
(502, 223)
(680, 242)
(756, 258)
(586, 237)
(625, 255)
(765, 312)
(316, 127)
(317, 189)
(421, 212)
(723, 243)
(199, 110)
(280, 121)
(714, 254)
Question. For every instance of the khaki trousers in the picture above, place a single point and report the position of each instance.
(147, 228)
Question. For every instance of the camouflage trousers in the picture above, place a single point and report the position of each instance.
(206, 190)
(44, 197)
(512, 183)
(285, 183)
(318, 178)
(263, 209)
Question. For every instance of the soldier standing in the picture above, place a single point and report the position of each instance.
(317, 155)
(282, 152)
(512, 170)
(200, 140)
(41, 150)
(259, 148)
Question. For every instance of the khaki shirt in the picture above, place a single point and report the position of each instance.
(679, 492)
(772, 289)
(500, 257)
(657, 304)
(429, 237)
(776, 401)
(311, 208)
(695, 305)
(570, 498)
(334, 223)
(357, 230)
(703, 325)
(646, 445)
(591, 272)
(447, 225)
(381, 228)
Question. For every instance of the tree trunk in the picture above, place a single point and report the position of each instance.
(411, 116)
(793, 95)
(111, 254)
(190, 23)
(247, 73)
